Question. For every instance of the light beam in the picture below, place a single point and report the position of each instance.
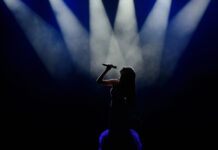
(126, 33)
(152, 37)
(76, 37)
(104, 47)
(180, 32)
(44, 38)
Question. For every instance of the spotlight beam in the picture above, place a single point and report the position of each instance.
(114, 55)
(75, 36)
(152, 38)
(180, 32)
(44, 38)
(99, 36)
(126, 33)
(104, 48)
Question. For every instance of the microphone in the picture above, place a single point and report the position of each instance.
(112, 66)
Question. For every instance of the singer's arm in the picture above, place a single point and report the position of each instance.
(109, 82)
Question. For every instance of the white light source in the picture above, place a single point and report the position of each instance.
(152, 38)
(115, 56)
(180, 32)
(76, 37)
(102, 40)
(126, 33)
(44, 38)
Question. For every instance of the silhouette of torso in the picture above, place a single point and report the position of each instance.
(119, 108)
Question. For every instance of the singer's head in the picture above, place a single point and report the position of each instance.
(127, 72)
(127, 76)
(127, 83)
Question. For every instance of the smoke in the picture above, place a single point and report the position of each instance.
(153, 52)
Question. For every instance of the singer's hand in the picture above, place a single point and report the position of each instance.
(109, 66)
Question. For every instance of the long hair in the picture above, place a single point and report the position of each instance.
(127, 84)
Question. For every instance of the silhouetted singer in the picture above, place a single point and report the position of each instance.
(122, 105)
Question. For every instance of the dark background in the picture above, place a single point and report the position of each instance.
(40, 110)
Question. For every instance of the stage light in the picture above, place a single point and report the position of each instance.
(152, 37)
(43, 37)
(180, 32)
(115, 56)
(126, 33)
(75, 36)
(104, 48)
